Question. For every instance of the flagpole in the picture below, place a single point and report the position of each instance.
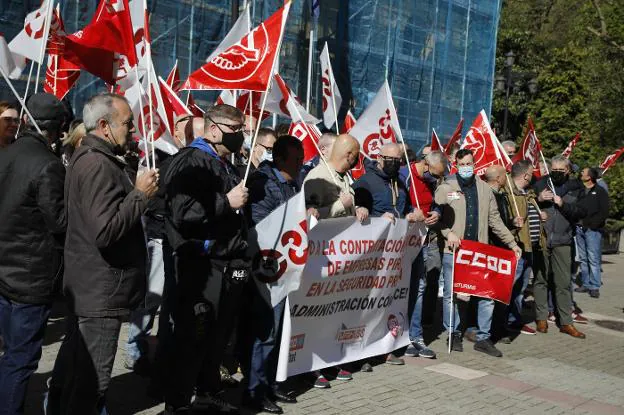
(142, 117)
(44, 43)
(513, 197)
(452, 313)
(309, 83)
(21, 101)
(266, 94)
(409, 170)
(333, 82)
(32, 65)
(55, 73)
(552, 186)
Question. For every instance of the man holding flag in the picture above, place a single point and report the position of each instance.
(469, 211)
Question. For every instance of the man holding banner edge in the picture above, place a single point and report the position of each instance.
(469, 210)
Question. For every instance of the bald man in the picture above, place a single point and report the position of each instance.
(496, 178)
(325, 145)
(327, 185)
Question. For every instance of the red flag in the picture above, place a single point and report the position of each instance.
(248, 64)
(191, 105)
(530, 149)
(60, 76)
(173, 79)
(348, 124)
(484, 271)
(173, 103)
(568, 150)
(435, 142)
(359, 170)
(611, 159)
(247, 99)
(308, 135)
(484, 145)
(454, 138)
(93, 48)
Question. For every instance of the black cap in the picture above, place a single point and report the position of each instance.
(46, 107)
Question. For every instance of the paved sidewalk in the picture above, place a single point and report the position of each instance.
(547, 373)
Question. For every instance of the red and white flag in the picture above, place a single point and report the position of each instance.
(282, 242)
(248, 64)
(454, 138)
(249, 102)
(191, 105)
(484, 271)
(568, 150)
(241, 27)
(348, 123)
(611, 159)
(31, 42)
(172, 101)
(309, 136)
(173, 79)
(61, 75)
(331, 94)
(378, 124)
(284, 102)
(93, 48)
(226, 97)
(359, 170)
(530, 149)
(436, 145)
(484, 145)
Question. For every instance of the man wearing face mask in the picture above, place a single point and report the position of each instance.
(469, 211)
(105, 255)
(32, 230)
(262, 151)
(207, 229)
(563, 211)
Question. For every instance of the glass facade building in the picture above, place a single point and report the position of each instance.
(438, 55)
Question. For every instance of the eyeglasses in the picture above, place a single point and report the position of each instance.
(13, 120)
(234, 127)
(387, 158)
(268, 149)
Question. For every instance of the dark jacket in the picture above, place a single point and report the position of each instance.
(198, 209)
(156, 209)
(105, 251)
(374, 191)
(502, 202)
(559, 226)
(267, 191)
(32, 224)
(307, 168)
(596, 203)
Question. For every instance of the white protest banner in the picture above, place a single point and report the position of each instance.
(352, 300)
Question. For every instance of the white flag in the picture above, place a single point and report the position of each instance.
(331, 95)
(284, 102)
(241, 27)
(31, 41)
(282, 248)
(6, 57)
(379, 124)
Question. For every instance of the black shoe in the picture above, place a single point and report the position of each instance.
(581, 290)
(170, 410)
(261, 405)
(213, 404)
(283, 397)
(594, 293)
(457, 345)
(487, 347)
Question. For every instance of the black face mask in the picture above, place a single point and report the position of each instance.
(233, 141)
(354, 164)
(558, 177)
(391, 168)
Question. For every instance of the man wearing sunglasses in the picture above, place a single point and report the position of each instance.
(207, 230)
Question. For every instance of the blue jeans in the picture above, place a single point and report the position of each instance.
(267, 324)
(142, 319)
(425, 268)
(22, 326)
(589, 244)
(521, 281)
(485, 307)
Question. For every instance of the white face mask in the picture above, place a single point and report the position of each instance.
(266, 156)
(247, 142)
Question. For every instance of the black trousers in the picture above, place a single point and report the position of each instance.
(204, 315)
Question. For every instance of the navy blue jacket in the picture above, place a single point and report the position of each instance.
(267, 191)
(373, 192)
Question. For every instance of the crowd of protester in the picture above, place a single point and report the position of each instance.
(85, 222)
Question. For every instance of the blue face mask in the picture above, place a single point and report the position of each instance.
(465, 172)
(266, 156)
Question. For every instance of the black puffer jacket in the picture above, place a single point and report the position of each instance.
(559, 226)
(32, 220)
(105, 252)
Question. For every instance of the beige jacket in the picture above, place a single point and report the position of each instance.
(522, 235)
(322, 193)
(449, 196)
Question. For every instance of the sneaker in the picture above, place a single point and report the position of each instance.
(579, 318)
(411, 351)
(211, 403)
(457, 345)
(391, 359)
(581, 290)
(528, 330)
(422, 350)
(366, 367)
(594, 293)
(487, 347)
(344, 375)
(321, 382)
(552, 318)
